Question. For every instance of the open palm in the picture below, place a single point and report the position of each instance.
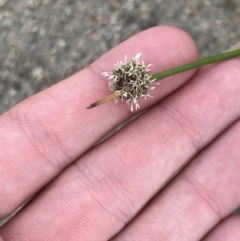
(121, 188)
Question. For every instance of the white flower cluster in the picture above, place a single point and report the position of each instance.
(132, 79)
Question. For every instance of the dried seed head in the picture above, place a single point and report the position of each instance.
(132, 79)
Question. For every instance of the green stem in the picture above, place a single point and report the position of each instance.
(197, 64)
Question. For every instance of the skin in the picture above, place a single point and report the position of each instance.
(117, 190)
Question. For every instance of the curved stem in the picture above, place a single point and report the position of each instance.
(196, 64)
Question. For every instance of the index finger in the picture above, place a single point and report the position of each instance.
(45, 133)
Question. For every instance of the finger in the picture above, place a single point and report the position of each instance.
(227, 230)
(45, 133)
(95, 198)
(201, 196)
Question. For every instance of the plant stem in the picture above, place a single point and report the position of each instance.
(196, 64)
(177, 70)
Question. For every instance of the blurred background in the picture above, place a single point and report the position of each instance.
(45, 41)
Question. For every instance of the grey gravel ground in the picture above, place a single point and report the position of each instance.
(44, 41)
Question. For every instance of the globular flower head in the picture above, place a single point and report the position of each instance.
(132, 79)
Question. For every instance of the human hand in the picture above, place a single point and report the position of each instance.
(87, 192)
